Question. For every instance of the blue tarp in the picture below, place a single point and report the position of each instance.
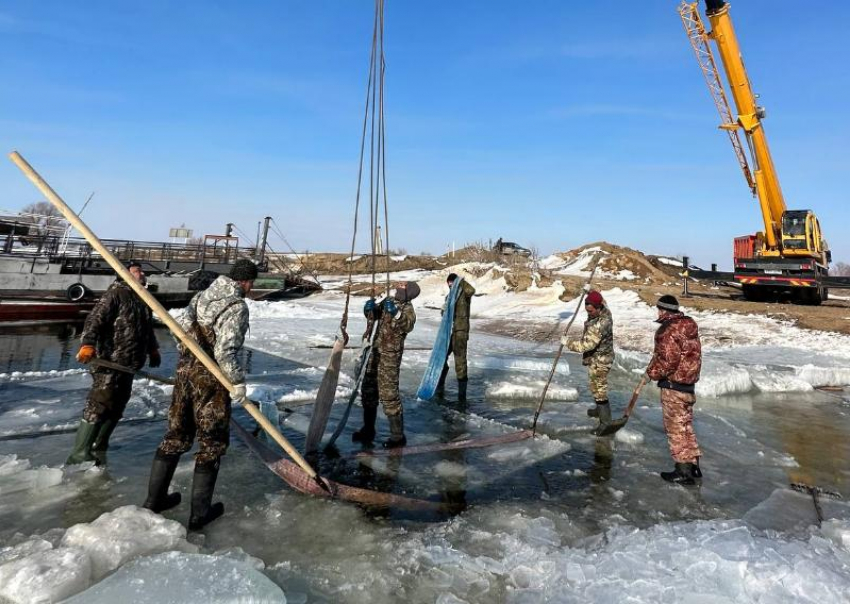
(440, 352)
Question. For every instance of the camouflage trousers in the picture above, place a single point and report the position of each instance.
(200, 406)
(457, 347)
(380, 382)
(597, 376)
(108, 396)
(677, 409)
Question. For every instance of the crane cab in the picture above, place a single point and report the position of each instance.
(801, 236)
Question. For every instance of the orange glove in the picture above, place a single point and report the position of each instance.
(154, 359)
(86, 353)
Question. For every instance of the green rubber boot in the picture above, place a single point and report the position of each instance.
(86, 434)
(101, 442)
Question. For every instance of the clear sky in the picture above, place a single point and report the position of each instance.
(550, 123)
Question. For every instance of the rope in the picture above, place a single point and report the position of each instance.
(383, 158)
(369, 85)
(373, 121)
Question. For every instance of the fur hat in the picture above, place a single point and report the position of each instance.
(243, 270)
(451, 278)
(668, 303)
(594, 298)
(408, 293)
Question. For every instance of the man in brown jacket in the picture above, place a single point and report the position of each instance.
(675, 365)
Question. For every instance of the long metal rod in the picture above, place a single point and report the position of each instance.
(140, 373)
(561, 349)
(157, 308)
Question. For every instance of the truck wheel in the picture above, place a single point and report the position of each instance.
(811, 297)
(76, 292)
(752, 293)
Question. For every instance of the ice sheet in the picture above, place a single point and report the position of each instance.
(179, 578)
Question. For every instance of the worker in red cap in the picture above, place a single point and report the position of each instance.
(597, 348)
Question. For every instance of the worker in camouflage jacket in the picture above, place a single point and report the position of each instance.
(119, 329)
(597, 348)
(217, 319)
(393, 318)
(459, 337)
(675, 365)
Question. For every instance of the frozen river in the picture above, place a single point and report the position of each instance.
(567, 517)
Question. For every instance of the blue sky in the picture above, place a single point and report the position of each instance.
(550, 123)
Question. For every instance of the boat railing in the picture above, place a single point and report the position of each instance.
(78, 253)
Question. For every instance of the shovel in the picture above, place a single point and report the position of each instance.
(614, 426)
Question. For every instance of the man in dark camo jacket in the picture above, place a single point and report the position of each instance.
(119, 329)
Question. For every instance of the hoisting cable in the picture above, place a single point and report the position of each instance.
(377, 186)
(327, 389)
(344, 321)
(383, 154)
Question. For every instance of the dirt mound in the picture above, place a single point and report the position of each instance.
(616, 262)
(341, 264)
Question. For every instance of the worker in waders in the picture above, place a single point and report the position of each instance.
(217, 319)
(396, 318)
(459, 338)
(120, 330)
(675, 365)
(597, 348)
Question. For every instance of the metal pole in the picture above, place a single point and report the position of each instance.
(261, 243)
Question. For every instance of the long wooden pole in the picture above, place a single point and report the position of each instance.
(157, 308)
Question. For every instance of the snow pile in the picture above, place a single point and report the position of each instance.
(552, 263)
(178, 578)
(16, 475)
(35, 571)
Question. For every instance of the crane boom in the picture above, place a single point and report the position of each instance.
(790, 254)
(698, 37)
(750, 117)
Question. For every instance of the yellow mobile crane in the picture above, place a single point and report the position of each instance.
(790, 255)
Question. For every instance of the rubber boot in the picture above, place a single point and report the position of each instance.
(86, 434)
(203, 485)
(682, 474)
(440, 392)
(366, 434)
(397, 437)
(594, 411)
(696, 473)
(603, 412)
(101, 443)
(162, 471)
(461, 390)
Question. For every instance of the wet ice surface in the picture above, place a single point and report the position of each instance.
(564, 518)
